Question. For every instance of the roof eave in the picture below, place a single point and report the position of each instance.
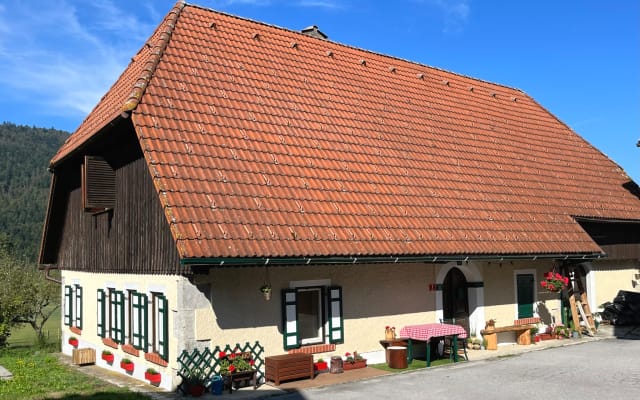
(249, 261)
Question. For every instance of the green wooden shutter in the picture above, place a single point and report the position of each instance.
(101, 313)
(163, 327)
(290, 319)
(139, 320)
(68, 305)
(336, 322)
(78, 307)
(118, 318)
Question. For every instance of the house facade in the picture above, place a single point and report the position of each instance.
(366, 191)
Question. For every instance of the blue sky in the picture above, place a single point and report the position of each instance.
(578, 58)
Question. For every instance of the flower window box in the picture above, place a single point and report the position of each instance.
(127, 365)
(73, 342)
(108, 356)
(154, 377)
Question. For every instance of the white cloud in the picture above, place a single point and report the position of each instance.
(65, 54)
(327, 4)
(455, 13)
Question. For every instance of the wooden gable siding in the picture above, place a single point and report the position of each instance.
(133, 237)
(619, 239)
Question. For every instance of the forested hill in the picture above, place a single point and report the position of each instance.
(25, 153)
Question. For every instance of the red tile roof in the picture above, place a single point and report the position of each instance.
(264, 142)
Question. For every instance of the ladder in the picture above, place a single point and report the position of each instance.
(580, 310)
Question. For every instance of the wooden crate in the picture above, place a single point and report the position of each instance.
(83, 356)
(288, 366)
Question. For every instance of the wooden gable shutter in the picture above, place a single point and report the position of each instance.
(139, 321)
(290, 319)
(98, 184)
(78, 307)
(336, 322)
(101, 313)
(163, 327)
(68, 305)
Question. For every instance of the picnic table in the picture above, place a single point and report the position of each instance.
(426, 332)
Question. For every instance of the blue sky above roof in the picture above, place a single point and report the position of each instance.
(579, 59)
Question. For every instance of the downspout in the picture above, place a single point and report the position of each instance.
(47, 268)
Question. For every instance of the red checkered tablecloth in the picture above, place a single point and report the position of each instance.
(427, 331)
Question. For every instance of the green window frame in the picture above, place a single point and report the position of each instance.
(160, 325)
(139, 318)
(73, 305)
(290, 320)
(116, 316)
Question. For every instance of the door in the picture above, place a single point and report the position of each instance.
(525, 291)
(455, 299)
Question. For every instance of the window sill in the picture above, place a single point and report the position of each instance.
(75, 330)
(110, 343)
(313, 349)
(156, 359)
(129, 349)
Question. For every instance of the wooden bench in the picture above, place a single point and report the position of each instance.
(522, 327)
(288, 366)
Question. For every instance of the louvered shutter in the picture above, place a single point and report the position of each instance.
(163, 327)
(68, 305)
(78, 307)
(336, 322)
(290, 319)
(98, 184)
(101, 313)
(139, 321)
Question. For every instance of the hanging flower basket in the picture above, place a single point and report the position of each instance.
(266, 291)
(554, 282)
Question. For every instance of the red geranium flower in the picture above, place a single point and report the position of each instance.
(231, 368)
(222, 354)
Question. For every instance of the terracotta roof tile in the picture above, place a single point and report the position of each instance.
(260, 148)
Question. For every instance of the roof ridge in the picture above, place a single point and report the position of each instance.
(156, 54)
(349, 46)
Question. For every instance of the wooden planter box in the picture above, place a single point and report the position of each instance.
(347, 365)
(237, 377)
(83, 356)
(288, 366)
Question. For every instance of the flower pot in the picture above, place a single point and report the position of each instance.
(347, 365)
(320, 366)
(267, 295)
(153, 378)
(73, 342)
(108, 358)
(127, 366)
(196, 389)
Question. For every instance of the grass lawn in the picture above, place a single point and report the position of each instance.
(39, 375)
(25, 336)
(415, 364)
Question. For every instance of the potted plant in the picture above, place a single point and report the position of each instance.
(152, 376)
(195, 383)
(73, 341)
(266, 291)
(107, 356)
(127, 365)
(320, 365)
(353, 361)
(477, 343)
(236, 367)
(533, 332)
(485, 342)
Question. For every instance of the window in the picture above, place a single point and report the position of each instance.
(159, 321)
(138, 320)
(304, 313)
(111, 314)
(73, 306)
(98, 184)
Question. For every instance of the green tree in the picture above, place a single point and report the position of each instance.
(26, 297)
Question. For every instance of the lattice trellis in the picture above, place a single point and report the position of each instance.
(206, 363)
